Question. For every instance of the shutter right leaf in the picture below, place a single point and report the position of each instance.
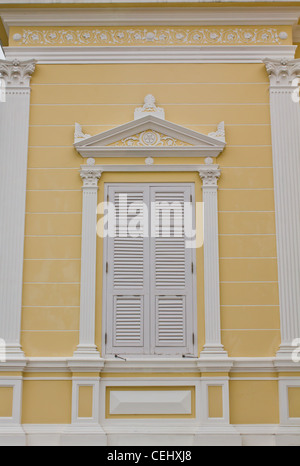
(171, 290)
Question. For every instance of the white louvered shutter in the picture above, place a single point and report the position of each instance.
(128, 275)
(171, 273)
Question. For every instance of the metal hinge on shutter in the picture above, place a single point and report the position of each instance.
(191, 198)
(105, 339)
(193, 339)
(106, 267)
(192, 267)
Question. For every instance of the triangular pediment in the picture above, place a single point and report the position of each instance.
(150, 135)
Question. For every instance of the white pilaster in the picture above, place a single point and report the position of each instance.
(14, 123)
(213, 347)
(90, 175)
(285, 124)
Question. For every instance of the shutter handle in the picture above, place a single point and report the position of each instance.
(120, 357)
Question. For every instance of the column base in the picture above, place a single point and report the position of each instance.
(288, 357)
(12, 358)
(213, 352)
(86, 352)
(13, 351)
(84, 362)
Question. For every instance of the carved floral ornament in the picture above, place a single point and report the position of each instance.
(90, 174)
(283, 72)
(17, 73)
(209, 174)
(150, 138)
(161, 36)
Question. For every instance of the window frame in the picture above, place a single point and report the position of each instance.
(105, 308)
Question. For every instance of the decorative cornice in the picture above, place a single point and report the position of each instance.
(150, 54)
(282, 73)
(16, 73)
(149, 136)
(90, 174)
(155, 16)
(209, 174)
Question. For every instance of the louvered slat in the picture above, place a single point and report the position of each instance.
(129, 252)
(170, 321)
(170, 256)
(128, 318)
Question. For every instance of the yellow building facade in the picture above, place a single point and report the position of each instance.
(117, 341)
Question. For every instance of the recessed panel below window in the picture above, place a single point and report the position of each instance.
(150, 402)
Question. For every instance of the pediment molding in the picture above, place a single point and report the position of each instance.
(150, 136)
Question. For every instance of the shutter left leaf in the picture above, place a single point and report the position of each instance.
(127, 277)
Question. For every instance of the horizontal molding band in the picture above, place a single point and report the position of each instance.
(169, 54)
(155, 16)
(152, 365)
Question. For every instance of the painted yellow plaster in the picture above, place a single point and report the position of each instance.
(6, 401)
(3, 35)
(46, 375)
(49, 343)
(166, 93)
(85, 401)
(254, 402)
(197, 96)
(52, 271)
(251, 343)
(294, 402)
(215, 401)
(46, 402)
(250, 317)
(149, 374)
(160, 73)
(244, 246)
(254, 375)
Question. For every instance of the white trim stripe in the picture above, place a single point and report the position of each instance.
(193, 54)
